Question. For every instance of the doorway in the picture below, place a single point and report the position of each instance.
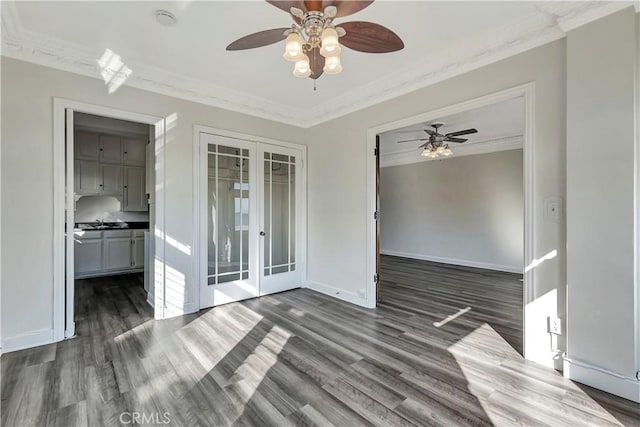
(70, 175)
(250, 215)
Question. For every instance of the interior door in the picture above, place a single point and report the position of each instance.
(280, 200)
(229, 225)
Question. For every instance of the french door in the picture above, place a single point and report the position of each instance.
(250, 200)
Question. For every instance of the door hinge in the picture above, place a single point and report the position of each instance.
(375, 278)
(376, 215)
(375, 152)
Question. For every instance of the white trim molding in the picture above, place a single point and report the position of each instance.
(550, 23)
(341, 294)
(602, 379)
(28, 340)
(455, 261)
(412, 155)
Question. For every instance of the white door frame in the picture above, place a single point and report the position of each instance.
(197, 129)
(63, 295)
(528, 92)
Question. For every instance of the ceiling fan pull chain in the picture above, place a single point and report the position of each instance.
(314, 85)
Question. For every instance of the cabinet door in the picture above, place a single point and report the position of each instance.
(138, 252)
(87, 255)
(135, 198)
(111, 179)
(110, 149)
(134, 152)
(88, 179)
(87, 145)
(117, 253)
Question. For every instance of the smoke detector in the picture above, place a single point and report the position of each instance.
(166, 18)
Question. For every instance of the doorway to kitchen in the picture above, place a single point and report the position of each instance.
(105, 168)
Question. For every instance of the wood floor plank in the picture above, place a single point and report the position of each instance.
(443, 347)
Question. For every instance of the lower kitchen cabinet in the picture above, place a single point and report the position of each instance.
(101, 253)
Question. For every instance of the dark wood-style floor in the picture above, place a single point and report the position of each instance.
(302, 358)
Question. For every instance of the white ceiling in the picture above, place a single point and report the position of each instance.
(500, 127)
(189, 60)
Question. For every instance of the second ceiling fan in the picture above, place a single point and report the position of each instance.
(313, 40)
(436, 143)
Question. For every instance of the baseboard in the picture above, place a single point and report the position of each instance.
(150, 299)
(108, 273)
(28, 340)
(453, 261)
(599, 378)
(340, 294)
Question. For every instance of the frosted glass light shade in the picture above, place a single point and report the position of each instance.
(293, 48)
(332, 65)
(330, 45)
(302, 68)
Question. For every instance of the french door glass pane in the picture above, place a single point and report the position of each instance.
(279, 213)
(228, 214)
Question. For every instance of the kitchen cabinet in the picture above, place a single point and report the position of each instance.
(87, 177)
(134, 152)
(111, 179)
(88, 252)
(137, 253)
(135, 196)
(87, 145)
(117, 253)
(101, 253)
(110, 149)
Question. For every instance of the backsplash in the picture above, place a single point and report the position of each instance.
(105, 208)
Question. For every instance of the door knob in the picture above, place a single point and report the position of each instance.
(262, 233)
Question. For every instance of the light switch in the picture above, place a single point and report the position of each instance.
(553, 209)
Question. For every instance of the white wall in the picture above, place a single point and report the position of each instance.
(337, 205)
(105, 208)
(602, 193)
(27, 170)
(462, 210)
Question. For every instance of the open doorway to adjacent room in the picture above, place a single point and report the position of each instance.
(451, 221)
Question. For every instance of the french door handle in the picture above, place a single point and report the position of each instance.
(262, 233)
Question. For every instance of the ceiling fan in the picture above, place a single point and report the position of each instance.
(313, 40)
(436, 142)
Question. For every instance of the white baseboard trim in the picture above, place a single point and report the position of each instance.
(340, 294)
(602, 379)
(150, 299)
(28, 340)
(108, 273)
(453, 261)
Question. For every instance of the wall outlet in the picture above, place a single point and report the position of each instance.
(554, 325)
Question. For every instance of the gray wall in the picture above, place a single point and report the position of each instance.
(337, 189)
(27, 170)
(601, 190)
(467, 210)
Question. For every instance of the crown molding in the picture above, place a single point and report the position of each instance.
(552, 22)
(410, 156)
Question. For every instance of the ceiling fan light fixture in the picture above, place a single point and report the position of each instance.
(293, 47)
(330, 42)
(332, 65)
(447, 151)
(302, 68)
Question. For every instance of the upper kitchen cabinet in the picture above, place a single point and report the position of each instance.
(134, 151)
(87, 145)
(99, 148)
(110, 149)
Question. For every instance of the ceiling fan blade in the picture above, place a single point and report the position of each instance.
(430, 132)
(462, 132)
(316, 61)
(287, 5)
(413, 140)
(451, 139)
(423, 145)
(315, 5)
(259, 39)
(370, 38)
(348, 7)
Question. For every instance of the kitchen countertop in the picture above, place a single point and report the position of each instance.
(132, 225)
